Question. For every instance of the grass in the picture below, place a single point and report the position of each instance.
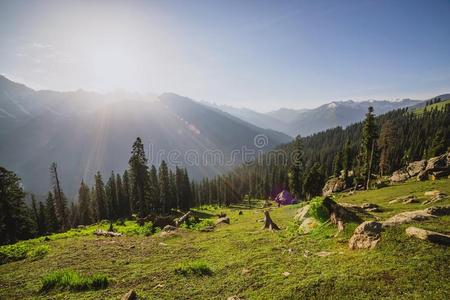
(21, 251)
(199, 268)
(72, 281)
(438, 106)
(249, 262)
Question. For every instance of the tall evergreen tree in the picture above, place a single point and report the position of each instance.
(295, 176)
(386, 144)
(314, 182)
(53, 224)
(139, 174)
(16, 222)
(346, 159)
(337, 164)
(60, 199)
(42, 220)
(439, 144)
(164, 187)
(84, 202)
(154, 189)
(126, 187)
(368, 145)
(100, 197)
(111, 196)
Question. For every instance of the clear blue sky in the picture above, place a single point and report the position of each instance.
(258, 54)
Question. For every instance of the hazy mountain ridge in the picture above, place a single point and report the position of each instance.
(329, 115)
(85, 132)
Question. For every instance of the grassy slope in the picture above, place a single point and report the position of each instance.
(400, 268)
(438, 106)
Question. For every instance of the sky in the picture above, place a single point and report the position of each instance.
(257, 54)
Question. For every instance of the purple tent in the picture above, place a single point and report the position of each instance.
(284, 198)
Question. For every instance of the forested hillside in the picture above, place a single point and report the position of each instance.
(401, 136)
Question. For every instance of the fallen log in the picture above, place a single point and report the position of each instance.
(182, 219)
(268, 223)
(100, 232)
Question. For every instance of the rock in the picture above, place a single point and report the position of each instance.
(438, 162)
(302, 214)
(405, 199)
(308, 225)
(436, 198)
(439, 174)
(223, 220)
(407, 217)
(371, 207)
(169, 228)
(427, 235)
(286, 274)
(234, 298)
(333, 185)
(366, 235)
(399, 176)
(438, 210)
(241, 213)
(416, 167)
(323, 253)
(432, 193)
(131, 295)
(423, 175)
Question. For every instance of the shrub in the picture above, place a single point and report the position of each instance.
(13, 252)
(39, 251)
(197, 224)
(318, 210)
(198, 268)
(71, 280)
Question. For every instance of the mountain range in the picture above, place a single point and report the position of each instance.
(305, 122)
(85, 132)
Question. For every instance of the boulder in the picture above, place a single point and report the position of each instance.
(438, 210)
(131, 295)
(432, 193)
(399, 176)
(416, 167)
(407, 217)
(417, 215)
(333, 185)
(366, 235)
(223, 220)
(168, 228)
(438, 162)
(435, 198)
(423, 175)
(427, 235)
(302, 214)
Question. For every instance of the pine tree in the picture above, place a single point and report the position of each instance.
(126, 187)
(337, 164)
(16, 223)
(84, 202)
(42, 219)
(53, 224)
(295, 176)
(369, 136)
(346, 160)
(173, 193)
(164, 187)
(139, 180)
(60, 199)
(439, 144)
(100, 196)
(314, 182)
(154, 189)
(386, 144)
(123, 205)
(111, 196)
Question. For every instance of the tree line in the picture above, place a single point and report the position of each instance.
(139, 191)
(376, 146)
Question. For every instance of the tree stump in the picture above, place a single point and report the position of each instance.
(268, 223)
